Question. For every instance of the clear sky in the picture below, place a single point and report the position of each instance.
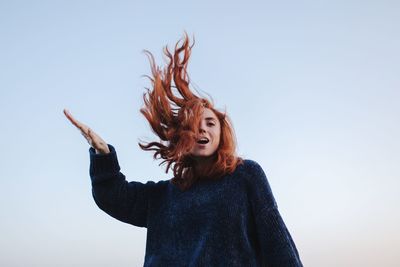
(312, 88)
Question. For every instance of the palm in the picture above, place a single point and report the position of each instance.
(93, 139)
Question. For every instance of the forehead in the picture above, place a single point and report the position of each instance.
(208, 113)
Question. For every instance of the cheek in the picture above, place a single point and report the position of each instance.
(217, 135)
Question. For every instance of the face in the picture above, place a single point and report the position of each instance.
(210, 128)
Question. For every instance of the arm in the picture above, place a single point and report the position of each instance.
(125, 201)
(276, 243)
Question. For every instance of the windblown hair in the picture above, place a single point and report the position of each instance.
(176, 121)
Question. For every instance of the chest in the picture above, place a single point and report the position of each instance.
(207, 204)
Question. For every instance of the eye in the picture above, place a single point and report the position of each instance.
(211, 124)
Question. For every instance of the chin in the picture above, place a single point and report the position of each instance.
(200, 155)
(203, 155)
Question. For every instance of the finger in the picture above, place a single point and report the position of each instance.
(86, 136)
(96, 141)
(71, 118)
(88, 139)
(75, 122)
(90, 133)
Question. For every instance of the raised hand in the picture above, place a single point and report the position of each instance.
(93, 139)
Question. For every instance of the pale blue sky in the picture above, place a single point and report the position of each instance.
(312, 88)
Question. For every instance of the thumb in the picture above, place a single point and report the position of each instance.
(90, 133)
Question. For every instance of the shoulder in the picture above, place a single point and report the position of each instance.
(253, 173)
(250, 163)
(257, 183)
(250, 166)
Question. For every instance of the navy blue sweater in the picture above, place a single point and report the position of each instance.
(233, 221)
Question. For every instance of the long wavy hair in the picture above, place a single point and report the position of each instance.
(176, 121)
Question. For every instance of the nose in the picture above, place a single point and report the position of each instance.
(202, 128)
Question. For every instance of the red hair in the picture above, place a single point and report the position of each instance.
(175, 120)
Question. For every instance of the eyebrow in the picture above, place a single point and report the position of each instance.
(210, 119)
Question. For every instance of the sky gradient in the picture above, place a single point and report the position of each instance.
(312, 88)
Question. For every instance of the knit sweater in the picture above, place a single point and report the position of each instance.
(233, 221)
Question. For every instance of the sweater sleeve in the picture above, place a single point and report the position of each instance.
(125, 201)
(276, 244)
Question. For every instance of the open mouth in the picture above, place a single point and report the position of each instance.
(203, 141)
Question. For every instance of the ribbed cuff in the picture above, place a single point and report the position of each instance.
(103, 166)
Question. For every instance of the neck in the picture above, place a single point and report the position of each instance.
(202, 162)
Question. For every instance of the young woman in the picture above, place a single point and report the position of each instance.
(218, 209)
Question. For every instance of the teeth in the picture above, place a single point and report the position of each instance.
(203, 139)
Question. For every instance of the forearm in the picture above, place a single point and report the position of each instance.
(123, 200)
(278, 247)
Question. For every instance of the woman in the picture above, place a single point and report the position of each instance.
(218, 209)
